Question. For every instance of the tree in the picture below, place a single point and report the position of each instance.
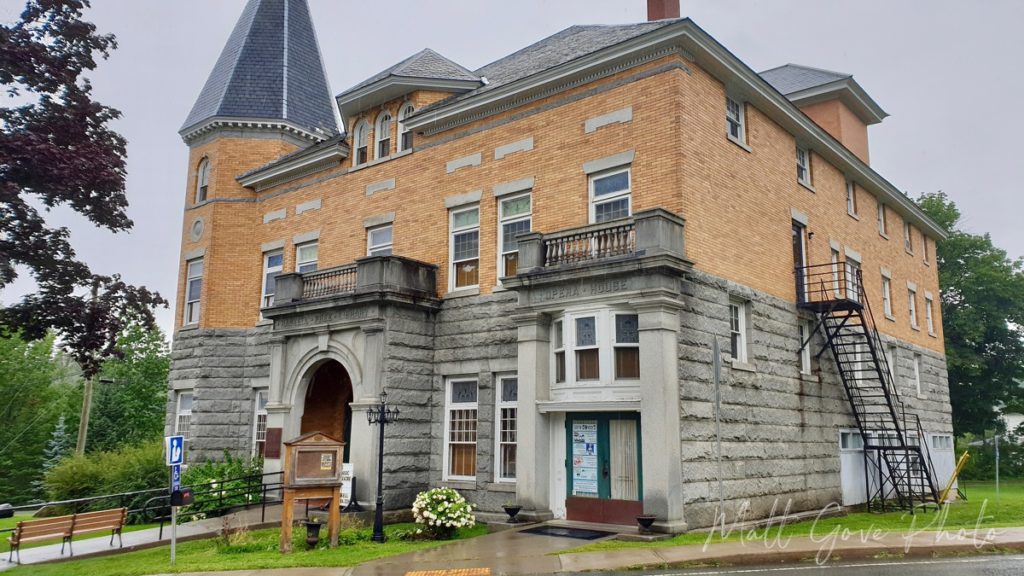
(38, 386)
(57, 449)
(56, 148)
(131, 401)
(983, 320)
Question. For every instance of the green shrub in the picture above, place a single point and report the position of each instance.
(442, 511)
(982, 463)
(220, 484)
(128, 469)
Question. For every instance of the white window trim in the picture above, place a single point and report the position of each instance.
(360, 139)
(908, 237)
(740, 121)
(851, 198)
(892, 355)
(448, 407)
(452, 232)
(257, 412)
(929, 318)
(203, 180)
(887, 297)
(195, 304)
(605, 338)
(300, 263)
(883, 221)
(805, 352)
(742, 354)
(808, 178)
(917, 376)
(627, 193)
(373, 249)
(404, 111)
(380, 135)
(500, 404)
(267, 270)
(178, 413)
(502, 220)
(852, 434)
(947, 440)
(912, 308)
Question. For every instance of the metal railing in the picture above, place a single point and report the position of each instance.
(329, 282)
(594, 242)
(827, 283)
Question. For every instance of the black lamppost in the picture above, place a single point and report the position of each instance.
(380, 415)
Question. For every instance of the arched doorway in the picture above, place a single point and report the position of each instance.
(328, 401)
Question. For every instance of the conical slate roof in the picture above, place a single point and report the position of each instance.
(270, 69)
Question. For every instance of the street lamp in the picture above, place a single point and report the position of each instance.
(380, 415)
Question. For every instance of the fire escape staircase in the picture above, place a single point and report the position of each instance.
(899, 473)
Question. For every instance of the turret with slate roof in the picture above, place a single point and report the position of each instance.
(270, 76)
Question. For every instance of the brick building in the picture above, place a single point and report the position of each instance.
(595, 276)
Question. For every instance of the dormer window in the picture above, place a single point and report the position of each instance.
(360, 141)
(404, 132)
(382, 135)
(202, 180)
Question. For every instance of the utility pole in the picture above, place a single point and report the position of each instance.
(83, 422)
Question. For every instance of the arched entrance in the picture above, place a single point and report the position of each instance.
(327, 406)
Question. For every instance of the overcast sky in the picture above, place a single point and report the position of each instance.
(949, 73)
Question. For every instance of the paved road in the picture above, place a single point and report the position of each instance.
(973, 566)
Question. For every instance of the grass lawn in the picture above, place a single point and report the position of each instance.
(981, 509)
(245, 551)
(6, 523)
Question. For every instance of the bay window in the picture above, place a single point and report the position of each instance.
(598, 346)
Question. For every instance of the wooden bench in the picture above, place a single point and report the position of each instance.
(66, 528)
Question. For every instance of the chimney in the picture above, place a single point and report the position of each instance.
(662, 9)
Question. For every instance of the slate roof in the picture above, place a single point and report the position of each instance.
(252, 80)
(425, 64)
(792, 78)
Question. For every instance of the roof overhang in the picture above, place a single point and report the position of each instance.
(847, 91)
(391, 87)
(299, 165)
(712, 57)
(191, 133)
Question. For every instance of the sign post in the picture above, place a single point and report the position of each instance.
(175, 450)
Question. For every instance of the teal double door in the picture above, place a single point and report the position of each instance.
(604, 482)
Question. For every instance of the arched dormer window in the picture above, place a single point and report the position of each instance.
(360, 140)
(382, 135)
(202, 180)
(404, 133)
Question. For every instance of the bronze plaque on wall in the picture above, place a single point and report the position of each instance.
(272, 448)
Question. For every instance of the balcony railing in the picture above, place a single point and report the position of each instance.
(647, 233)
(393, 274)
(835, 284)
(329, 282)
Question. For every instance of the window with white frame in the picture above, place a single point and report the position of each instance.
(259, 425)
(929, 319)
(514, 217)
(805, 351)
(735, 119)
(627, 347)
(891, 358)
(851, 198)
(610, 195)
(942, 442)
(461, 410)
(273, 263)
(849, 440)
(183, 415)
(917, 375)
(382, 135)
(887, 296)
(507, 417)
(203, 180)
(306, 256)
(834, 259)
(596, 346)
(912, 307)
(882, 228)
(908, 240)
(380, 240)
(852, 279)
(803, 166)
(465, 248)
(558, 345)
(924, 248)
(361, 142)
(738, 330)
(193, 290)
(404, 132)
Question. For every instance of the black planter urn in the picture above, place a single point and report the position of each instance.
(646, 521)
(312, 533)
(512, 510)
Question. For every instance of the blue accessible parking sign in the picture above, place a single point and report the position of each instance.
(175, 448)
(175, 477)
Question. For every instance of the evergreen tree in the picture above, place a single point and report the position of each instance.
(57, 449)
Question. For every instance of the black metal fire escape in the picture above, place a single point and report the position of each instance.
(899, 473)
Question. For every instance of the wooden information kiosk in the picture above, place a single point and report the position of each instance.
(312, 470)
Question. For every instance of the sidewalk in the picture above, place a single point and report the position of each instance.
(147, 538)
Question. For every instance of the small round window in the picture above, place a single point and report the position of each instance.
(196, 230)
